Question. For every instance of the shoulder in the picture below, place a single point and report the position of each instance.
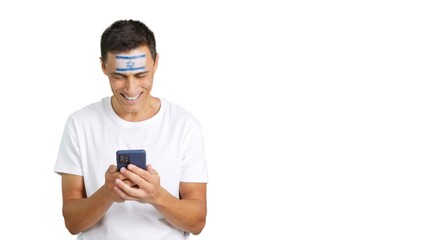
(179, 113)
(91, 111)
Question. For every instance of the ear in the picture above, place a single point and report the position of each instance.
(156, 62)
(103, 67)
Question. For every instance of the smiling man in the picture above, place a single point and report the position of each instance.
(167, 199)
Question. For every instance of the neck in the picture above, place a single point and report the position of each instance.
(147, 109)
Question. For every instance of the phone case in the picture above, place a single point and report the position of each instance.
(136, 157)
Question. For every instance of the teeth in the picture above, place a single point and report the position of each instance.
(131, 98)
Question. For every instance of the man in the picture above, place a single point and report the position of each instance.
(165, 201)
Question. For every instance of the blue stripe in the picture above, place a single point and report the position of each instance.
(129, 69)
(130, 57)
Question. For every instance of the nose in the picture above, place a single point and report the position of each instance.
(130, 85)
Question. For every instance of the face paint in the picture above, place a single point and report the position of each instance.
(130, 63)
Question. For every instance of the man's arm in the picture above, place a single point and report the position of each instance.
(81, 213)
(187, 213)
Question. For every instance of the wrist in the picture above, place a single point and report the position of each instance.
(161, 198)
(107, 195)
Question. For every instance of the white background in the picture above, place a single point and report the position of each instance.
(314, 112)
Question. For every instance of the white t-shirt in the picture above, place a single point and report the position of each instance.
(174, 145)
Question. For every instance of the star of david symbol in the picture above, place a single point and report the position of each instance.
(130, 64)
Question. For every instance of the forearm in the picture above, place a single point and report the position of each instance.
(186, 214)
(81, 214)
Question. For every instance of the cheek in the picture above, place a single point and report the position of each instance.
(115, 85)
(147, 83)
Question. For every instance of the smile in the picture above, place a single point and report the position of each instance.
(131, 98)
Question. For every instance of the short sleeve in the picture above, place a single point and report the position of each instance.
(194, 167)
(68, 160)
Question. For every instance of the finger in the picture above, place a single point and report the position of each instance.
(125, 191)
(137, 170)
(122, 195)
(134, 177)
(113, 174)
(129, 182)
(151, 170)
(121, 176)
(112, 168)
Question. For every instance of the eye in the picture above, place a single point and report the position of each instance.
(141, 76)
(117, 77)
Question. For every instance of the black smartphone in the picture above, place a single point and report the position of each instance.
(136, 157)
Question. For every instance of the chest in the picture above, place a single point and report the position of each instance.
(162, 145)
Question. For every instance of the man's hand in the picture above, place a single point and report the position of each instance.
(147, 187)
(110, 177)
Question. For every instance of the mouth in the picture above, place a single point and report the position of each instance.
(131, 98)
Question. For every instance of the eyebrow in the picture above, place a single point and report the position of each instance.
(122, 74)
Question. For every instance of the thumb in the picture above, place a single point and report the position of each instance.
(150, 169)
(112, 168)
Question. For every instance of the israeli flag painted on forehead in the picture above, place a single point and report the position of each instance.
(130, 63)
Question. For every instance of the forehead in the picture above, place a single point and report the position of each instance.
(142, 50)
(132, 61)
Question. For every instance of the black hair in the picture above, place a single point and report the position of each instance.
(125, 35)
